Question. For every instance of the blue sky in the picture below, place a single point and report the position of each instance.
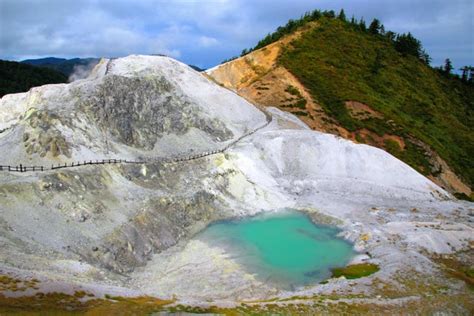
(205, 32)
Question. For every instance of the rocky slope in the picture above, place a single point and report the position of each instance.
(127, 229)
(366, 92)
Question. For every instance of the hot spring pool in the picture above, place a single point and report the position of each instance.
(283, 248)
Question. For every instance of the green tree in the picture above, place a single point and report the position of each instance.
(425, 57)
(342, 15)
(382, 29)
(329, 14)
(316, 14)
(362, 25)
(374, 27)
(391, 36)
(408, 45)
(448, 66)
(465, 73)
(353, 20)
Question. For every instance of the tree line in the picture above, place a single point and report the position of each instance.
(467, 72)
(17, 77)
(404, 43)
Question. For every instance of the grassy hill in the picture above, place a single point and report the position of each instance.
(377, 88)
(17, 77)
(337, 63)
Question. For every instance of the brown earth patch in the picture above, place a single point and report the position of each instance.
(259, 79)
(445, 176)
(244, 71)
(366, 136)
(362, 111)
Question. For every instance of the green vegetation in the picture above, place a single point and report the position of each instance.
(430, 293)
(300, 101)
(17, 77)
(341, 60)
(355, 271)
(392, 147)
(300, 113)
(463, 196)
(293, 91)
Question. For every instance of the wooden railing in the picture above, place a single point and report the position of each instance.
(22, 168)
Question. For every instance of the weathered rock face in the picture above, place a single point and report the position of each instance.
(138, 111)
(129, 225)
(42, 135)
(160, 225)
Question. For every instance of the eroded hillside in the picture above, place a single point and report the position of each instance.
(356, 85)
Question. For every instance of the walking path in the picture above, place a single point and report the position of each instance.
(23, 168)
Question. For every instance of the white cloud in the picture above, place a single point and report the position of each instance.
(208, 31)
(206, 41)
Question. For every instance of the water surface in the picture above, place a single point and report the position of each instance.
(283, 248)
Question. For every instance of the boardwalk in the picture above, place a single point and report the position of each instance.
(23, 168)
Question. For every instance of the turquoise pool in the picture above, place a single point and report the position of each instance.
(283, 248)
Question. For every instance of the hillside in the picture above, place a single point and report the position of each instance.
(17, 77)
(345, 80)
(127, 167)
(65, 66)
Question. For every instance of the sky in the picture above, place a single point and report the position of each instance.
(204, 33)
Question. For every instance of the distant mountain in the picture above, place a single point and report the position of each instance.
(197, 68)
(44, 61)
(65, 66)
(366, 84)
(17, 77)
